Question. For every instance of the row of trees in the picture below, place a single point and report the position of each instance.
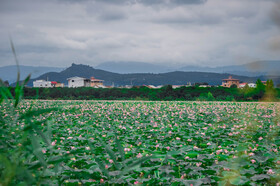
(261, 92)
(264, 92)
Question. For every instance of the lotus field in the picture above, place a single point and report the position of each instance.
(151, 143)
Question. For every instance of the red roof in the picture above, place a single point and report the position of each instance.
(93, 79)
(53, 82)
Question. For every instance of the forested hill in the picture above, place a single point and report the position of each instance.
(173, 78)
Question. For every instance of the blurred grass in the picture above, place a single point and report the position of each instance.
(22, 161)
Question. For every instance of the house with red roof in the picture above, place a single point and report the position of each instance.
(96, 82)
(40, 83)
(242, 85)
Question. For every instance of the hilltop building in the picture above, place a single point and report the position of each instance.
(230, 81)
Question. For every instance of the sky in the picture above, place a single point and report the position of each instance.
(169, 32)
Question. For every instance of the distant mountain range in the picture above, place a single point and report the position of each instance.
(257, 68)
(134, 67)
(9, 73)
(129, 72)
(174, 78)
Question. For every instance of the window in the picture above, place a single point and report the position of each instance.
(72, 80)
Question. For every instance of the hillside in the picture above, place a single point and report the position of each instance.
(133, 67)
(112, 71)
(10, 72)
(174, 78)
(257, 68)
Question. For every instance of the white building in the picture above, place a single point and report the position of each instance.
(204, 86)
(177, 86)
(74, 82)
(242, 85)
(252, 85)
(43, 83)
(98, 86)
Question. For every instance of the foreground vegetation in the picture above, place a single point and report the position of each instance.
(131, 142)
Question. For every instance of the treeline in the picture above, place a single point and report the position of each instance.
(167, 93)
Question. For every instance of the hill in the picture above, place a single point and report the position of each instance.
(257, 68)
(10, 72)
(174, 78)
(117, 69)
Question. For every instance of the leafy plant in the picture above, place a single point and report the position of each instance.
(122, 166)
(23, 139)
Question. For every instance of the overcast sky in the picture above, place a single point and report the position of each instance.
(172, 32)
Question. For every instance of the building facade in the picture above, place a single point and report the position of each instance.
(96, 82)
(230, 81)
(242, 85)
(74, 82)
(252, 85)
(59, 85)
(43, 84)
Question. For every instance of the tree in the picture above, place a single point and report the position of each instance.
(260, 90)
(203, 97)
(248, 92)
(260, 85)
(270, 91)
(210, 97)
(246, 87)
(166, 92)
(269, 84)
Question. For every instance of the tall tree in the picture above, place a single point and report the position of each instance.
(270, 91)
(260, 90)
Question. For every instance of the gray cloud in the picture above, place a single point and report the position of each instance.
(112, 17)
(188, 1)
(153, 2)
(60, 32)
(201, 19)
(275, 14)
(274, 41)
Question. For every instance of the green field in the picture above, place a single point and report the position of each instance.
(136, 142)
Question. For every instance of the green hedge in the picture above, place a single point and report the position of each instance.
(144, 93)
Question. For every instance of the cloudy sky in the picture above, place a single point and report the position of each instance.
(172, 32)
